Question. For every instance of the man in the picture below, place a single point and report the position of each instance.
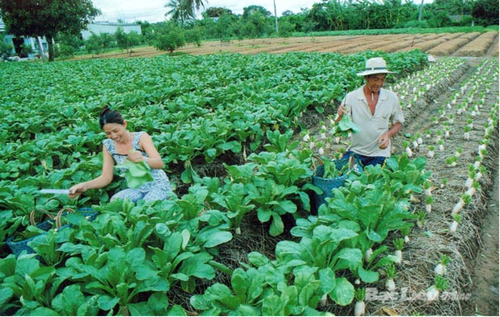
(376, 111)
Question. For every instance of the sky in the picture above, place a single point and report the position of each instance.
(154, 10)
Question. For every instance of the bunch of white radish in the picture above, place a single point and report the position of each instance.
(440, 284)
(421, 218)
(451, 161)
(390, 272)
(360, 306)
(444, 182)
(464, 200)
(431, 151)
(406, 234)
(398, 253)
(455, 222)
(406, 146)
(440, 268)
(429, 200)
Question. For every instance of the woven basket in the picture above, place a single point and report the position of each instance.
(18, 247)
(328, 184)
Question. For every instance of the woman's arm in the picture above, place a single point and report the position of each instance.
(101, 181)
(146, 144)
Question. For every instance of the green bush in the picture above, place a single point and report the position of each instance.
(64, 50)
(194, 36)
(414, 24)
(170, 41)
(5, 49)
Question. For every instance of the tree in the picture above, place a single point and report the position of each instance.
(195, 3)
(216, 12)
(183, 9)
(67, 44)
(99, 43)
(5, 49)
(126, 41)
(254, 9)
(179, 11)
(486, 12)
(170, 41)
(224, 27)
(47, 18)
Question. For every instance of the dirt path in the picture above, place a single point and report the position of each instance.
(485, 275)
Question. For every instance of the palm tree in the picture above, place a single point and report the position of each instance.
(183, 9)
(179, 10)
(195, 3)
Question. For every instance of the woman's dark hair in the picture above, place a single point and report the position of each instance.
(109, 115)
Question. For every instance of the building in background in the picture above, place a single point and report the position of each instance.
(110, 28)
(23, 46)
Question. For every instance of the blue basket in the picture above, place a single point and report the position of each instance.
(17, 247)
(328, 184)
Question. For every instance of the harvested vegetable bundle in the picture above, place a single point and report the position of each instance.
(345, 126)
(136, 174)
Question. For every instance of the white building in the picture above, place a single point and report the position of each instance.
(18, 42)
(110, 28)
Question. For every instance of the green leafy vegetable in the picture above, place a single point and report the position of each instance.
(136, 174)
(344, 126)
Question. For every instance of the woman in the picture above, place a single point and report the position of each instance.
(134, 146)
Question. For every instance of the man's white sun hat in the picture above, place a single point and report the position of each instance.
(375, 65)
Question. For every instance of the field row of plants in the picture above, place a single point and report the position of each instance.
(134, 259)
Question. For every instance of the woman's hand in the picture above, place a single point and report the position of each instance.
(135, 156)
(77, 190)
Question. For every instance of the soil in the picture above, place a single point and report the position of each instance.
(485, 274)
(441, 44)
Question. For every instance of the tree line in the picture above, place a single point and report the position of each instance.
(181, 26)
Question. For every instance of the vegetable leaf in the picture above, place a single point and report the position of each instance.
(136, 174)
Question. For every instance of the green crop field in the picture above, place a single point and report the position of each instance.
(231, 130)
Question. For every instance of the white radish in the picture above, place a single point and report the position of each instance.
(368, 254)
(359, 308)
(440, 269)
(471, 191)
(453, 226)
(458, 206)
(323, 301)
(399, 256)
(470, 180)
(409, 152)
(390, 285)
(432, 293)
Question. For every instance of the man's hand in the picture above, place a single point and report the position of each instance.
(342, 110)
(384, 141)
(340, 113)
